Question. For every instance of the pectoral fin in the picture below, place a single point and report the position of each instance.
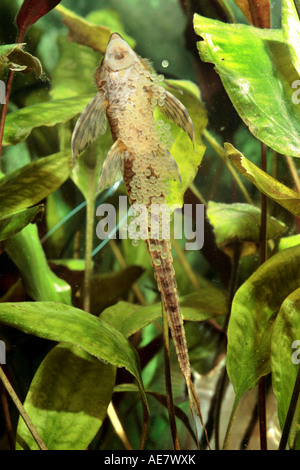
(112, 169)
(174, 109)
(91, 124)
(173, 172)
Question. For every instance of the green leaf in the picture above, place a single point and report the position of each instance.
(287, 242)
(268, 185)
(254, 309)
(14, 57)
(285, 359)
(255, 68)
(20, 123)
(67, 399)
(84, 32)
(106, 289)
(198, 306)
(291, 31)
(187, 158)
(111, 19)
(33, 182)
(13, 223)
(40, 282)
(239, 223)
(75, 79)
(63, 323)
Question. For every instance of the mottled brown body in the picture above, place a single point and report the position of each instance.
(166, 282)
(128, 93)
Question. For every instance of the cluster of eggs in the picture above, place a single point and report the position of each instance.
(148, 141)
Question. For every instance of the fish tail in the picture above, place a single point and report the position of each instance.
(162, 262)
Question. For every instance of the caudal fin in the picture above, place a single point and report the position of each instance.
(196, 412)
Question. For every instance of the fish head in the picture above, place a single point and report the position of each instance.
(119, 55)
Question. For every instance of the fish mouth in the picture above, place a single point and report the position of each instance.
(115, 36)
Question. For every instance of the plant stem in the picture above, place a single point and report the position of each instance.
(7, 419)
(90, 208)
(263, 233)
(294, 172)
(220, 151)
(123, 265)
(21, 410)
(185, 264)
(290, 413)
(223, 381)
(9, 81)
(168, 382)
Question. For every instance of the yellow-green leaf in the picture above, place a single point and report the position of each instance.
(268, 185)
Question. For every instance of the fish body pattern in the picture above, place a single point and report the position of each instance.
(128, 93)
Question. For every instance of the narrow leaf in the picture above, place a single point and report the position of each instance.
(13, 223)
(19, 124)
(268, 185)
(33, 182)
(68, 399)
(31, 11)
(84, 32)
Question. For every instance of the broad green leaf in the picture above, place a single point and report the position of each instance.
(13, 223)
(285, 359)
(63, 323)
(254, 309)
(84, 32)
(239, 224)
(14, 57)
(106, 289)
(33, 182)
(71, 77)
(187, 158)
(67, 399)
(111, 19)
(268, 185)
(257, 73)
(291, 31)
(198, 306)
(287, 242)
(19, 124)
(40, 282)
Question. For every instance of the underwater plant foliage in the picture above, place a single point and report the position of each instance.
(82, 330)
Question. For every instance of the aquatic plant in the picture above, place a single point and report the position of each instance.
(88, 358)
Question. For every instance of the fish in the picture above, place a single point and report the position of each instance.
(128, 92)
